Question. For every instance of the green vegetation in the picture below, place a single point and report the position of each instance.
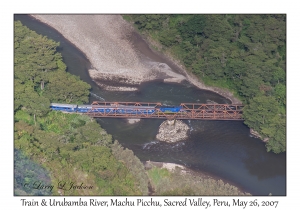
(243, 53)
(56, 149)
(53, 147)
(172, 183)
(38, 72)
(74, 148)
(133, 164)
(158, 175)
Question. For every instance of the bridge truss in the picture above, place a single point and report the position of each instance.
(145, 110)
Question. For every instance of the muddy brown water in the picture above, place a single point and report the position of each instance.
(223, 149)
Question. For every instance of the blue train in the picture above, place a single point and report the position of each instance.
(121, 109)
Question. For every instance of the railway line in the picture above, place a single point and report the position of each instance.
(137, 110)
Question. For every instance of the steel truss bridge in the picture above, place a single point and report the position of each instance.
(188, 111)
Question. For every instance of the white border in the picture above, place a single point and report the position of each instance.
(153, 6)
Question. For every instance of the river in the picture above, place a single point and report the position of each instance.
(222, 149)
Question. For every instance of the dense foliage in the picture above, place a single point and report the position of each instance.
(65, 147)
(244, 53)
(133, 164)
(58, 149)
(73, 148)
(38, 74)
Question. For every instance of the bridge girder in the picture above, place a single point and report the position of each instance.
(188, 111)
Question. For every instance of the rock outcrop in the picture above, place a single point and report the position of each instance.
(172, 131)
(255, 134)
(132, 121)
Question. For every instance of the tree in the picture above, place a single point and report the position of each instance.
(194, 26)
(18, 94)
(236, 69)
(198, 40)
(280, 93)
(217, 27)
(262, 114)
(279, 75)
(35, 56)
(90, 133)
(34, 104)
(245, 53)
(149, 22)
(168, 38)
(276, 132)
(260, 111)
(64, 87)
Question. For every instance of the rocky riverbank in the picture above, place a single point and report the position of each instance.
(105, 40)
(197, 178)
(190, 77)
(118, 64)
(172, 131)
(169, 166)
(255, 134)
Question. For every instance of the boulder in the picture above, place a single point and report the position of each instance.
(172, 131)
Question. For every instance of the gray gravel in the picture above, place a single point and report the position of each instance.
(105, 41)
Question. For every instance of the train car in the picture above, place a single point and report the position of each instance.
(137, 111)
(63, 107)
(134, 110)
(114, 109)
(92, 108)
(170, 109)
(84, 108)
(106, 109)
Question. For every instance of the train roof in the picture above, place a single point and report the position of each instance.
(63, 105)
(85, 106)
(123, 107)
(102, 106)
(170, 107)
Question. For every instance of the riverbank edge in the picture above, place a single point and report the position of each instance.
(166, 55)
(171, 167)
(124, 78)
(156, 47)
(190, 77)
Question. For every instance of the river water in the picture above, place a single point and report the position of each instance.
(222, 149)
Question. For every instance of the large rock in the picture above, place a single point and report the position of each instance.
(255, 134)
(132, 121)
(172, 131)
